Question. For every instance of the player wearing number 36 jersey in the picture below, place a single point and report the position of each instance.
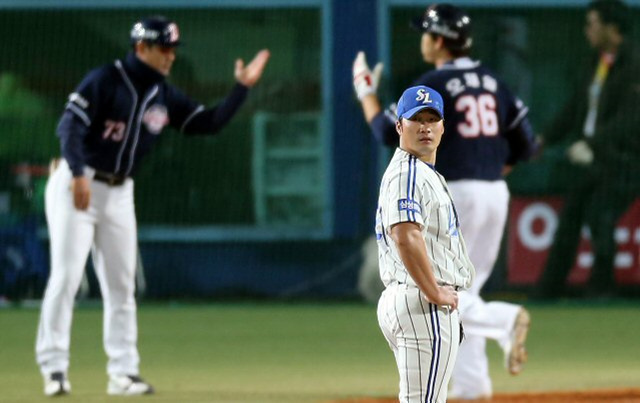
(486, 132)
(483, 118)
(486, 126)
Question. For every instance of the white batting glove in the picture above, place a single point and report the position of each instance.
(580, 153)
(365, 81)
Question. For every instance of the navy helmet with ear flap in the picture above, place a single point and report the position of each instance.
(448, 21)
(155, 30)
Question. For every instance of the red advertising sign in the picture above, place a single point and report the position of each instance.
(532, 225)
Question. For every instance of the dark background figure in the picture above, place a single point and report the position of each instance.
(600, 125)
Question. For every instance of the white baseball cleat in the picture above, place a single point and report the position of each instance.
(516, 353)
(128, 385)
(56, 384)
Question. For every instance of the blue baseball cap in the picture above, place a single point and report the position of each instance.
(417, 98)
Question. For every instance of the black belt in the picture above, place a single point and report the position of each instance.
(108, 178)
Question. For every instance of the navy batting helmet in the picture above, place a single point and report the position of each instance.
(157, 30)
(448, 21)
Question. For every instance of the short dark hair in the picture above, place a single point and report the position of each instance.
(455, 51)
(614, 12)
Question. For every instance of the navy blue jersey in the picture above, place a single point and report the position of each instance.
(118, 111)
(486, 127)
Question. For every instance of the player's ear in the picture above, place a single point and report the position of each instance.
(399, 126)
(140, 47)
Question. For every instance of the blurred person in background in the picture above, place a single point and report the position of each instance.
(600, 124)
(112, 119)
(486, 132)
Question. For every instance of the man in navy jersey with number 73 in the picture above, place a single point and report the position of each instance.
(112, 120)
(486, 132)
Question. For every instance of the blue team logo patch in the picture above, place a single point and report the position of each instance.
(409, 205)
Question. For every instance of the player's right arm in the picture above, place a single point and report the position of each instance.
(79, 114)
(410, 244)
(77, 118)
(370, 107)
(365, 84)
(407, 212)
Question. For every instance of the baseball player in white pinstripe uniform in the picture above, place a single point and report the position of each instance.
(422, 255)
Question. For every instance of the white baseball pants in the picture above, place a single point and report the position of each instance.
(108, 229)
(424, 339)
(482, 208)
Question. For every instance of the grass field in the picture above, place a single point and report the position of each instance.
(308, 352)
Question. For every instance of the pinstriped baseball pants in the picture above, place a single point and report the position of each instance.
(424, 339)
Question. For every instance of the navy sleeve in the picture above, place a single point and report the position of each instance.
(191, 118)
(384, 128)
(80, 111)
(521, 142)
(518, 131)
(72, 131)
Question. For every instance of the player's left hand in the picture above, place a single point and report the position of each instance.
(250, 74)
(446, 295)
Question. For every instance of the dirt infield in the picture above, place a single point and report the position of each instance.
(592, 396)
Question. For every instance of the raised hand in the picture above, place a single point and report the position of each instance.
(365, 81)
(250, 74)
